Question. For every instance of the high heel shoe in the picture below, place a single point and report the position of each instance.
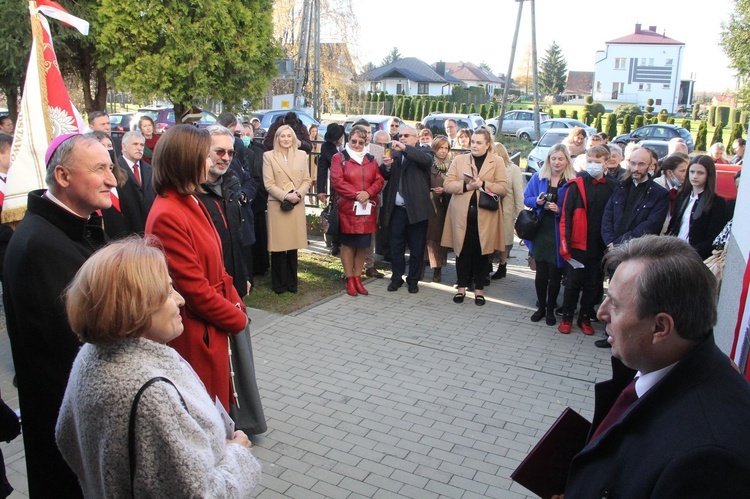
(351, 286)
(358, 286)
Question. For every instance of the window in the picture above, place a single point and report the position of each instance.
(376, 86)
(647, 61)
(665, 86)
(423, 88)
(620, 62)
(598, 86)
(644, 87)
(399, 88)
(658, 102)
(668, 62)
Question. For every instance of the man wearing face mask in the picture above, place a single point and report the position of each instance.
(581, 238)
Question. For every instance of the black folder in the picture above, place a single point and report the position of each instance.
(545, 469)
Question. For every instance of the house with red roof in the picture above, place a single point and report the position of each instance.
(643, 65)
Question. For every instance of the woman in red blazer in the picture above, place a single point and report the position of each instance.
(212, 309)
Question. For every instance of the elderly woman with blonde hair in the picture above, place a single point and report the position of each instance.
(136, 421)
(512, 206)
(472, 228)
(287, 180)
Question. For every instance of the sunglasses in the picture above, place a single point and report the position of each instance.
(357, 142)
(223, 152)
(395, 125)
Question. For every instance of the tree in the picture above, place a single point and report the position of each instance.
(611, 125)
(15, 44)
(368, 67)
(734, 36)
(486, 67)
(700, 137)
(718, 134)
(393, 56)
(224, 52)
(522, 76)
(553, 71)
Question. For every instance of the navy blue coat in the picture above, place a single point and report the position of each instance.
(646, 218)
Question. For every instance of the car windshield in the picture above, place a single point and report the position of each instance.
(550, 139)
(684, 134)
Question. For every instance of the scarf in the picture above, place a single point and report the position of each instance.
(442, 167)
(357, 157)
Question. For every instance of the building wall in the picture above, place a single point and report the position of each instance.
(641, 72)
(391, 86)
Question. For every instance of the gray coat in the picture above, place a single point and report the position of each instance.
(179, 453)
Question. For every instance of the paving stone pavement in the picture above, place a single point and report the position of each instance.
(403, 395)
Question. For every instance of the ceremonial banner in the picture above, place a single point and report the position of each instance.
(45, 112)
(741, 344)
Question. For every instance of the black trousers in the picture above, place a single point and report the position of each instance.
(284, 271)
(260, 248)
(589, 279)
(547, 284)
(471, 263)
(401, 233)
(247, 256)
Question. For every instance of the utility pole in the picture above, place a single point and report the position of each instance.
(536, 71)
(499, 132)
(316, 68)
(309, 33)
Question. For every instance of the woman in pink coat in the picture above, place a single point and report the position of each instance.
(213, 309)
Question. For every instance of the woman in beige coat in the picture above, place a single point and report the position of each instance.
(512, 206)
(474, 233)
(286, 178)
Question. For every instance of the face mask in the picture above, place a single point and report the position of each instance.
(246, 140)
(594, 169)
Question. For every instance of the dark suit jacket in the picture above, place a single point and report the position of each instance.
(705, 228)
(146, 189)
(410, 169)
(647, 216)
(686, 437)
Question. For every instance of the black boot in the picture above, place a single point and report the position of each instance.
(537, 316)
(502, 271)
(550, 319)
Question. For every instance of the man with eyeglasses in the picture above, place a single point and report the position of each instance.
(139, 172)
(407, 206)
(638, 206)
(451, 130)
(394, 128)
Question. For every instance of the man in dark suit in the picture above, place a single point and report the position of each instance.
(672, 422)
(138, 171)
(407, 206)
(59, 231)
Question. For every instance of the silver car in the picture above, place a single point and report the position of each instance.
(527, 132)
(538, 155)
(513, 120)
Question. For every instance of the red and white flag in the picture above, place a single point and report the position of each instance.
(46, 110)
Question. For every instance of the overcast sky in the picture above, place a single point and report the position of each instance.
(482, 31)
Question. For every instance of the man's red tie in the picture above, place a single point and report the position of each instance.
(137, 173)
(623, 402)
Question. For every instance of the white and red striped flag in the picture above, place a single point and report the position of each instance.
(46, 110)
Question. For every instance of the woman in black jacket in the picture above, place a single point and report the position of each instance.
(700, 213)
(334, 138)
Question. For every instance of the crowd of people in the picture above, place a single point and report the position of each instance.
(213, 204)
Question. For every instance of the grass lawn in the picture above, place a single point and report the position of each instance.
(318, 279)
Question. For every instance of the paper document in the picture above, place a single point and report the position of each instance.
(360, 209)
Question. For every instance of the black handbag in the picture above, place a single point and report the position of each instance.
(287, 205)
(247, 410)
(10, 426)
(489, 201)
(527, 224)
(331, 215)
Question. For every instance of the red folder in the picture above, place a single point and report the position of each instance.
(545, 469)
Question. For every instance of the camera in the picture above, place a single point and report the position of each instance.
(548, 197)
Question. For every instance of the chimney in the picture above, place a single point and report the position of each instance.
(652, 28)
(637, 28)
(440, 68)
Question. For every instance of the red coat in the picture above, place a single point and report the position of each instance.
(194, 258)
(347, 181)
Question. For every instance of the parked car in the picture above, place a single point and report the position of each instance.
(513, 120)
(376, 121)
(121, 122)
(527, 132)
(538, 155)
(661, 132)
(164, 117)
(267, 117)
(661, 147)
(435, 121)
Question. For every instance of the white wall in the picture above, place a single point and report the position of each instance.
(606, 74)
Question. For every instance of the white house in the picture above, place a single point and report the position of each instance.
(408, 76)
(470, 75)
(640, 66)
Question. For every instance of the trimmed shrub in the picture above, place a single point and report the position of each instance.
(653, 121)
(463, 108)
(483, 111)
(598, 122)
(472, 108)
(734, 117)
(611, 125)
(586, 117)
(722, 115)
(718, 134)
(696, 110)
(700, 137)
(589, 99)
(736, 134)
(563, 113)
(663, 116)
(670, 121)
(625, 128)
(639, 121)
(574, 115)
(649, 109)
(711, 116)
(686, 124)
(630, 109)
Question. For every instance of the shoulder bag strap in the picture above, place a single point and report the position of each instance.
(131, 425)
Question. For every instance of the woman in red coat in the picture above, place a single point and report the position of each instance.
(212, 309)
(356, 178)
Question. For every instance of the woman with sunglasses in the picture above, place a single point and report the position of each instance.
(287, 180)
(356, 178)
